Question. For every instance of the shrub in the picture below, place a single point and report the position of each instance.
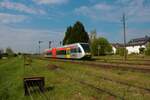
(121, 51)
(10, 52)
(101, 46)
(147, 50)
(141, 50)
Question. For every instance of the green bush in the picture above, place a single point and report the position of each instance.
(0, 54)
(121, 51)
(101, 46)
(147, 50)
(10, 52)
(141, 50)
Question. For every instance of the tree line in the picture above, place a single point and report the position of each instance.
(98, 45)
(78, 34)
(8, 53)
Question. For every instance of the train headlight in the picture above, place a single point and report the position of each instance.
(87, 53)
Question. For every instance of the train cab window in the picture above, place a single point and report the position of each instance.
(86, 47)
(78, 50)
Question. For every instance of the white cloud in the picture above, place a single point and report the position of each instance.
(135, 10)
(98, 11)
(26, 40)
(102, 7)
(134, 32)
(50, 1)
(10, 18)
(20, 7)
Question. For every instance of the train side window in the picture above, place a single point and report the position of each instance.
(79, 50)
(61, 52)
(68, 52)
(73, 50)
(49, 53)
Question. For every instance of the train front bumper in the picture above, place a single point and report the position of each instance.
(87, 55)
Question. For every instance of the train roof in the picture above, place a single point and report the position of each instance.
(73, 44)
(64, 46)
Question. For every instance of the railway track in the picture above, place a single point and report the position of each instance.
(107, 91)
(126, 67)
(129, 59)
(146, 63)
(119, 82)
(98, 89)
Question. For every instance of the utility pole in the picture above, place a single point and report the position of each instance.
(99, 47)
(40, 46)
(50, 44)
(124, 33)
(60, 43)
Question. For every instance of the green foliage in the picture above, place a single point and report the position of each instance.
(9, 51)
(0, 56)
(141, 50)
(1, 53)
(147, 50)
(76, 34)
(64, 82)
(121, 51)
(67, 35)
(100, 46)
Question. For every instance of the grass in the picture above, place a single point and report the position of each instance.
(64, 81)
(129, 57)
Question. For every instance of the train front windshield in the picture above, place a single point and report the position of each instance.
(86, 47)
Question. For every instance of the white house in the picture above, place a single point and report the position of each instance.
(133, 45)
(115, 46)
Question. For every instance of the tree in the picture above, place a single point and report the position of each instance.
(67, 35)
(147, 50)
(76, 34)
(120, 51)
(9, 51)
(1, 54)
(100, 46)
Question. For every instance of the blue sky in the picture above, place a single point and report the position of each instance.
(24, 22)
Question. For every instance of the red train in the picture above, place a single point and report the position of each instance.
(71, 51)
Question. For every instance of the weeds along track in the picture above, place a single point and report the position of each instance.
(139, 68)
(118, 82)
(121, 82)
(104, 90)
(98, 89)
(145, 63)
(129, 59)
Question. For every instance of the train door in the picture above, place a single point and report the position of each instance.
(54, 52)
(68, 53)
